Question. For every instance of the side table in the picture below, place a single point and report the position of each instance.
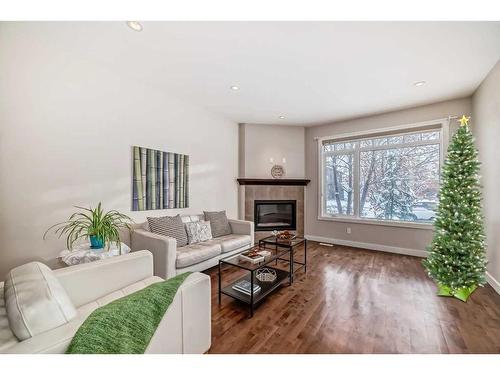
(84, 254)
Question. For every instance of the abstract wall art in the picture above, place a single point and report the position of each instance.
(160, 180)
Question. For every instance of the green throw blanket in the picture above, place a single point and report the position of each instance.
(126, 326)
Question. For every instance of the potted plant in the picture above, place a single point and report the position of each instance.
(100, 227)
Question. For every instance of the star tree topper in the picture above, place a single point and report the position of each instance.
(464, 120)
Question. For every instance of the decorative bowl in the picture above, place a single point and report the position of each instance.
(285, 235)
(266, 275)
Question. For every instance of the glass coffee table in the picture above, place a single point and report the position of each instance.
(292, 246)
(266, 287)
(280, 251)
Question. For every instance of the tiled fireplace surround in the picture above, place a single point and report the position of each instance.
(250, 192)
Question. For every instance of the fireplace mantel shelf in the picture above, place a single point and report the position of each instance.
(273, 181)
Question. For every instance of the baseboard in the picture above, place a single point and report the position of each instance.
(493, 282)
(369, 246)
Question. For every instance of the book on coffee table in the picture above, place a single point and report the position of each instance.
(244, 286)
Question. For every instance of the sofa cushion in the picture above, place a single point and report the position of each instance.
(7, 338)
(35, 300)
(91, 306)
(218, 222)
(232, 242)
(198, 231)
(197, 253)
(171, 226)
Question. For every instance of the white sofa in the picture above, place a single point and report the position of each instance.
(185, 327)
(170, 260)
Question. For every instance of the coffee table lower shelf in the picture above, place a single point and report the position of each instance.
(266, 288)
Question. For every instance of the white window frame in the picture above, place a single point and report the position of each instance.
(441, 124)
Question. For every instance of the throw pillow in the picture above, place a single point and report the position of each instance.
(35, 300)
(218, 223)
(171, 226)
(198, 231)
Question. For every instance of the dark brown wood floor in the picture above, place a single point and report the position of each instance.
(356, 301)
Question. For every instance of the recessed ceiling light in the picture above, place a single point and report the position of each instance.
(235, 88)
(282, 117)
(134, 25)
(419, 83)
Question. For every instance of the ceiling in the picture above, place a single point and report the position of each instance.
(309, 72)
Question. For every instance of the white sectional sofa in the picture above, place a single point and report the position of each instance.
(185, 327)
(170, 260)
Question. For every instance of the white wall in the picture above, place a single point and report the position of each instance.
(486, 127)
(67, 128)
(259, 143)
(375, 236)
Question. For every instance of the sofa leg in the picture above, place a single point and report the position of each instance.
(219, 275)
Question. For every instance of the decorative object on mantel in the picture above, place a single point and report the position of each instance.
(160, 180)
(101, 228)
(84, 253)
(277, 171)
(266, 275)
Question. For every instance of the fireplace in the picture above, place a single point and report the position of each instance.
(275, 215)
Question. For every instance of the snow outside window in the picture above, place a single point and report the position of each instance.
(394, 177)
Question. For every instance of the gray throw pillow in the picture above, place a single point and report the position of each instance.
(171, 226)
(218, 223)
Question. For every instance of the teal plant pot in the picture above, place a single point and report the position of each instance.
(96, 242)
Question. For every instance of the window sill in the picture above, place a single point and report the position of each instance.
(401, 224)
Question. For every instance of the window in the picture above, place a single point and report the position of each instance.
(392, 177)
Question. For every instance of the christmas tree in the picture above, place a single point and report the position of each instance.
(457, 260)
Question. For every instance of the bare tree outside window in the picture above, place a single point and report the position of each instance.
(339, 177)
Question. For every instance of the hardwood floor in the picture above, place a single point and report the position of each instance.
(357, 301)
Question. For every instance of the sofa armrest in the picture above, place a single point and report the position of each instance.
(186, 326)
(164, 251)
(242, 227)
(89, 281)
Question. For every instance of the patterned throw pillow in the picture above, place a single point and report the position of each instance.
(218, 222)
(171, 226)
(198, 231)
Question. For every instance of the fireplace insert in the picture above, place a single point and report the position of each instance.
(275, 215)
